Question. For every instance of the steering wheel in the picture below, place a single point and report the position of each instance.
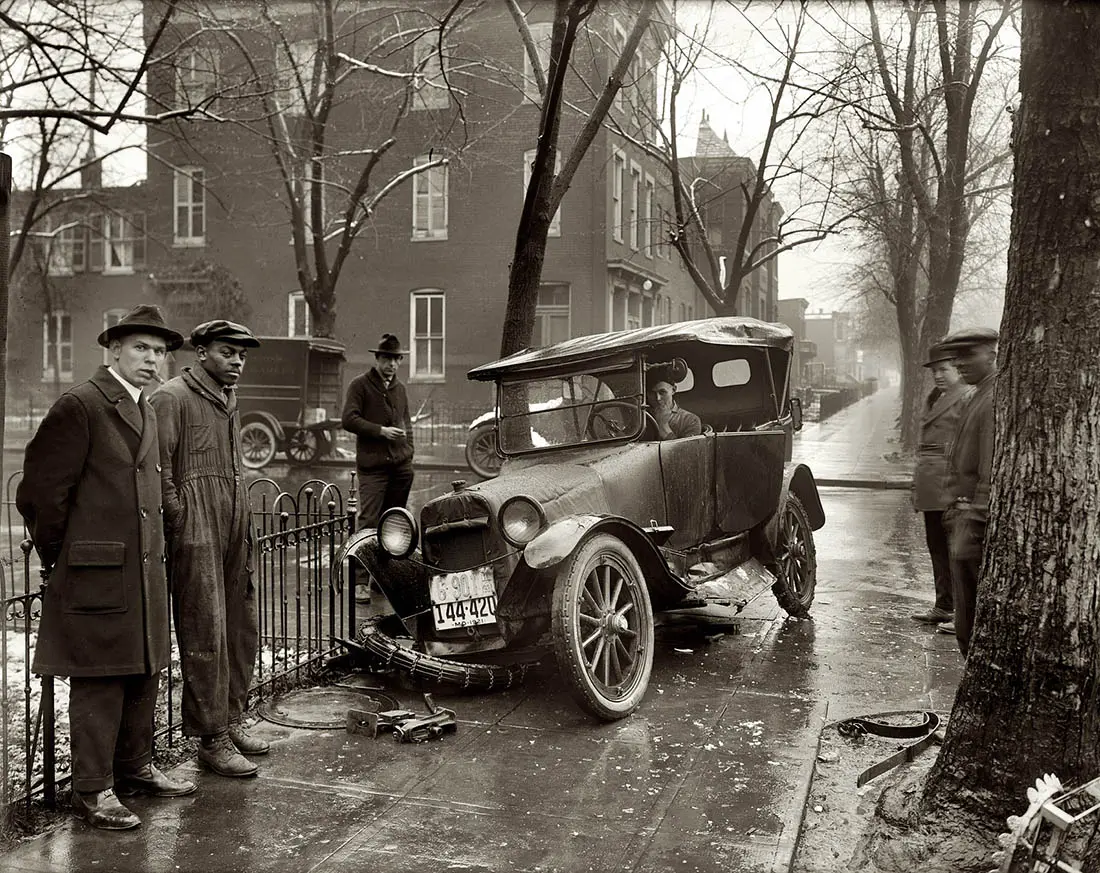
(604, 426)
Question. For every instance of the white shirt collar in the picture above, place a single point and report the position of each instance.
(132, 390)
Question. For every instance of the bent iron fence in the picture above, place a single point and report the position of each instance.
(303, 607)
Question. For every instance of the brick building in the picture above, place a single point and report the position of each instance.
(431, 264)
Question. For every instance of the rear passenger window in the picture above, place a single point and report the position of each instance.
(727, 374)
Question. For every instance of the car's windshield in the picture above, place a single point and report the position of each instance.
(584, 407)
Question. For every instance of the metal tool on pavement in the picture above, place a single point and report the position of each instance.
(405, 725)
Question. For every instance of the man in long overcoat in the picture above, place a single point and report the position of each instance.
(939, 421)
(970, 472)
(207, 510)
(91, 498)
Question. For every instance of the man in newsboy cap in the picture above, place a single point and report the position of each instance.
(970, 467)
(207, 518)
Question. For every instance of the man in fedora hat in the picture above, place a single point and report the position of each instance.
(939, 420)
(207, 515)
(970, 468)
(91, 498)
(377, 412)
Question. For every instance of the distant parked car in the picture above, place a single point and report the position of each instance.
(593, 524)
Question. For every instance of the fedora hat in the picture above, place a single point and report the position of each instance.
(143, 318)
(389, 345)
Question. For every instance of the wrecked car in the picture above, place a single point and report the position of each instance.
(595, 529)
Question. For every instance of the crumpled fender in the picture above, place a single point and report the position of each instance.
(799, 480)
(558, 541)
(404, 581)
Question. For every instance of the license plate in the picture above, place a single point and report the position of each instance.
(464, 599)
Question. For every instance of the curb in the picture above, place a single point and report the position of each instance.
(856, 482)
(787, 847)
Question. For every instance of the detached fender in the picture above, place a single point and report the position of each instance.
(797, 480)
(267, 418)
(404, 581)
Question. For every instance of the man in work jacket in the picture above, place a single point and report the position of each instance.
(207, 512)
(91, 497)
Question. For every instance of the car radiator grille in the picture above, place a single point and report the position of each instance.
(456, 532)
(456, 550)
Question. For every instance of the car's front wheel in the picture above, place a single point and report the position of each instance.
(603, 628)
(796, 560)
(258, 444)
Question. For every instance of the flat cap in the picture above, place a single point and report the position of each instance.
(226, 331)
(938, 352)
(972, 336)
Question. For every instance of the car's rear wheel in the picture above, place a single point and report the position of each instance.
(303, 446)
(796, 560)
(481, 451)
(258, 444)
(603, 628)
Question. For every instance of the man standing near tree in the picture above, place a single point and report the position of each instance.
(970, 467)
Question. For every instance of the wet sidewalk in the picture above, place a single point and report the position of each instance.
(858, 446)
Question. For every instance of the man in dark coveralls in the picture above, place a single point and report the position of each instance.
(207, 512)
(377, 412)
(970, 467)
(91, 497)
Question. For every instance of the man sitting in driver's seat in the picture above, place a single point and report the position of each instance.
(672, 421)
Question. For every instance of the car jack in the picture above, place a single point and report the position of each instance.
(405, 725)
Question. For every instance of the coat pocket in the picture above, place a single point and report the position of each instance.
(95, 577)
(200, 438)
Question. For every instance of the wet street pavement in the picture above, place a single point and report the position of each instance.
(710, 774)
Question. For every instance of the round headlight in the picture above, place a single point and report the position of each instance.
(521, 518)
(397, 532)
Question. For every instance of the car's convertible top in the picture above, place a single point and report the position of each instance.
(728, 330)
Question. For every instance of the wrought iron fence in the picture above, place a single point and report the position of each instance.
(303, 605)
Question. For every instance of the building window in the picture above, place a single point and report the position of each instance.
(430, 86)
(297, 314)
(528, 161)
(430, 201)
(123, 237)
(618, 308)
(647, 218)
(635, 203)
(67, 249)
(633, 310)
(57, 347)
(196, 75)
(541, 35)
(294, 76)
(618, 43)
(647, 311)
(429, 336)
(190, 207)
(110, 318)
(618, 172)
(552, 315)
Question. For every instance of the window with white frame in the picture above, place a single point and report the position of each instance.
(635, 204)
(427, 316)
(618, 43)
(111, 317)
(618, 173)
(431, 88)
(633, 310)
(190, 206)
(295, 82)
(57, 347)
(528, 161)
(430, 201)
(297, 314)
(552, 323)
(647, 217)
(67, 248)
(123, 236)
(541, 35)
(196, 70)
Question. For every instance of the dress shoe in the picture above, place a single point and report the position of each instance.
(101, 809)
(150, 780)
(948, 627)
(246, 743)
(362, 594)
(934, 616)
(220, 755)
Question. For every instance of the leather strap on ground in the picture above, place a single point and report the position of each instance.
(923, 731)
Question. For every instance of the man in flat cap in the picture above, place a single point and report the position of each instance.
(207, 517)
(970, 467)
(91, 497)
(672, 421)
(377, 412)
(939, 421)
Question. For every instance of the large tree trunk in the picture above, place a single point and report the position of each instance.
(1028, 702)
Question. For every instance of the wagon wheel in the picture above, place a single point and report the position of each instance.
(303, 447)
(796, 560)
(258, 444)
(481, 451)
(603, 425)
(603, 628)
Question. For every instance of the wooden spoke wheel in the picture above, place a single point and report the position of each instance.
(258, 444)
(796, 559)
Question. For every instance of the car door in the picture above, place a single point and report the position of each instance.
(687, 471)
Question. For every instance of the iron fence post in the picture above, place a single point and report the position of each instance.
(353, 512)
(49, 764)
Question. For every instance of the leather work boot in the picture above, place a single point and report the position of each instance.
(246, 743)
(150, 780)
(219, 754)
(101, 809)
(933, 616)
